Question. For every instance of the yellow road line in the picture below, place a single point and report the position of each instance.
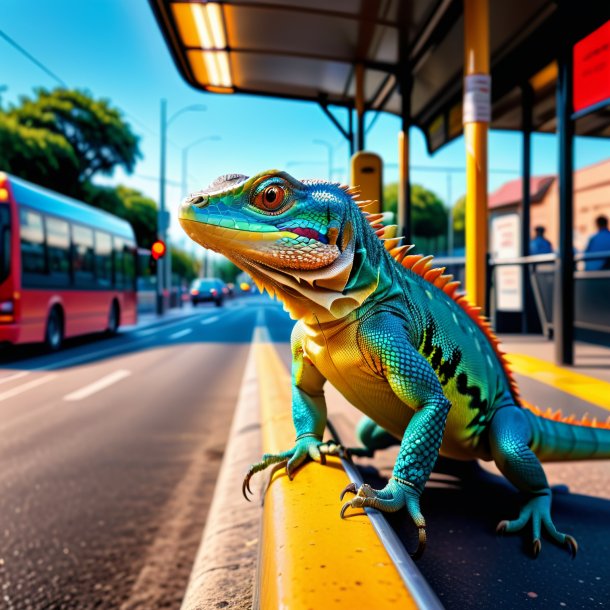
(582, 386)
(310, 558)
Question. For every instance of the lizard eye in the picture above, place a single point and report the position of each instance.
(270, 199)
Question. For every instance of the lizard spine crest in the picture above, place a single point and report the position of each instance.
(423, 266)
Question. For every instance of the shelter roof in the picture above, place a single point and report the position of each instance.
(511, 192)
(311, 49)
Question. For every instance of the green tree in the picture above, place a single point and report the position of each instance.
(128, 203)
(184, 265)
(36, 154)
(95, 132)
(428, 213)
(459, 222)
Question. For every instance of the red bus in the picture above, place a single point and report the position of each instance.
(66, 268)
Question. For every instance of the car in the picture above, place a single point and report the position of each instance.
(208, 289)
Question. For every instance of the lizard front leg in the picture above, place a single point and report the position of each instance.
(308, 415)
(414, 382)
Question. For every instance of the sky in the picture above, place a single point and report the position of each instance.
(114, 49)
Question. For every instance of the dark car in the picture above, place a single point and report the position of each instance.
(208, 289)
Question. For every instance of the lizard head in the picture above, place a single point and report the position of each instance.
(296, 238)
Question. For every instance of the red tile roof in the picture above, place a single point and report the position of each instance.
(510, 192)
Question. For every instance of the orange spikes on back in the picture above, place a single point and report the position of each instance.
(433, 274)
(391, 243)
(400, 252)
(422, 265)
(450, 288)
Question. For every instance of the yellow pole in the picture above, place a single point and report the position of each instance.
(476, 119)
(403, 177)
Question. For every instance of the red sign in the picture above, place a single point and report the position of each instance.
(592, 68)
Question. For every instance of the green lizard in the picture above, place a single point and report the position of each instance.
(393, 336)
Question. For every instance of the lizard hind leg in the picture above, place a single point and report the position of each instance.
(510, 437)
(373, 438)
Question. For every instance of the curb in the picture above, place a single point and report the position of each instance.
(223, 572)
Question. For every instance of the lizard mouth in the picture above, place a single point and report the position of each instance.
(311, 233)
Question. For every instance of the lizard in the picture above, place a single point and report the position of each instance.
(395, 336)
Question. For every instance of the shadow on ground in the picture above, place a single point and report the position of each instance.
(469, 566)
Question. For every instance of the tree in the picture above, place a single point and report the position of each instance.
(36, 154)
(94, 131)
(128, 203)
(459, 222)
(184, 265)
(428, 213)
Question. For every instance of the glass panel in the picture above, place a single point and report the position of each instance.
(130, 251)
(84, 258)
(103, 259)
(5, 241)
(119, 263)
(58, 249)
(33, 258)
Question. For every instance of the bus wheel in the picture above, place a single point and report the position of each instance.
(113, 319)
(54, 335)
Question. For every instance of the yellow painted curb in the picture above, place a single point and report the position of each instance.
(310, 557)
(582, 386)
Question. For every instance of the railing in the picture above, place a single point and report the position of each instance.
(592, 288)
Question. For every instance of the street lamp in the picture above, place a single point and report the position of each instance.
(329, 148)
(185, 151)
(164, 269)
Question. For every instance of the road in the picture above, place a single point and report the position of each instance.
(109, 453)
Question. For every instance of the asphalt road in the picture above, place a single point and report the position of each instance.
(109, 453)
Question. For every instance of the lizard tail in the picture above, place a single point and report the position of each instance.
(556, 441)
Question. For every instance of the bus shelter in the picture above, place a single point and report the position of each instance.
(449, 67)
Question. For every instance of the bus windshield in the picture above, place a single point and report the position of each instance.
(5, 242)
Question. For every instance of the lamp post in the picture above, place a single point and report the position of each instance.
(185, 151)
(329, 148)
(164, 264)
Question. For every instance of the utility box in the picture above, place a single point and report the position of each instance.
(366, 174)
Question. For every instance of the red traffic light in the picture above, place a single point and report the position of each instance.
(158, 249)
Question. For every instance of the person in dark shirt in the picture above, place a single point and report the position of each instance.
(599, 242)
(540, 244)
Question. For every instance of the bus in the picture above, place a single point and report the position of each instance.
(66, 268)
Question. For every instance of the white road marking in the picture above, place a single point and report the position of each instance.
(181, 333)
(26, 386)
(210, 320)
(98, 385)
(13, 377)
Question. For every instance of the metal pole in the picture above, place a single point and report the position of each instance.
(360, 106)
(161, 214)
(563, 303)
(528, 301)
(350, 128)
(450, 217)
(476, 120)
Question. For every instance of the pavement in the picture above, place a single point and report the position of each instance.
(109, 452)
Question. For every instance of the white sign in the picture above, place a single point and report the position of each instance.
(477, 99)
(506, 243)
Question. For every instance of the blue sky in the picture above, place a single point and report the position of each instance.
(114, 49)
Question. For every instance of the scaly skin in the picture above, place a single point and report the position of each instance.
(416, 361)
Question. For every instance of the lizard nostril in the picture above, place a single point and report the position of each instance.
(198, 201)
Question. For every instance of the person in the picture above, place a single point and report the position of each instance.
(599, 242)
(540, 244)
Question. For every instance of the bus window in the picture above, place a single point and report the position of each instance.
(119, 263)
(82, 239)
(5, 241)
(58, 250)
(103, 259)
(33, 259)
(130, 251)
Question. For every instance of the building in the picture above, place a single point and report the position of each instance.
(591, 198)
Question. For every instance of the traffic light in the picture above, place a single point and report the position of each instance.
(158, 249)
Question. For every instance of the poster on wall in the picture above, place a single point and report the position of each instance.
(506, 243)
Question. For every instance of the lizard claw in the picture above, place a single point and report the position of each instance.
(571, 544)
(421, 543)
(245, 487)
(536, 546)
(351, 488)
